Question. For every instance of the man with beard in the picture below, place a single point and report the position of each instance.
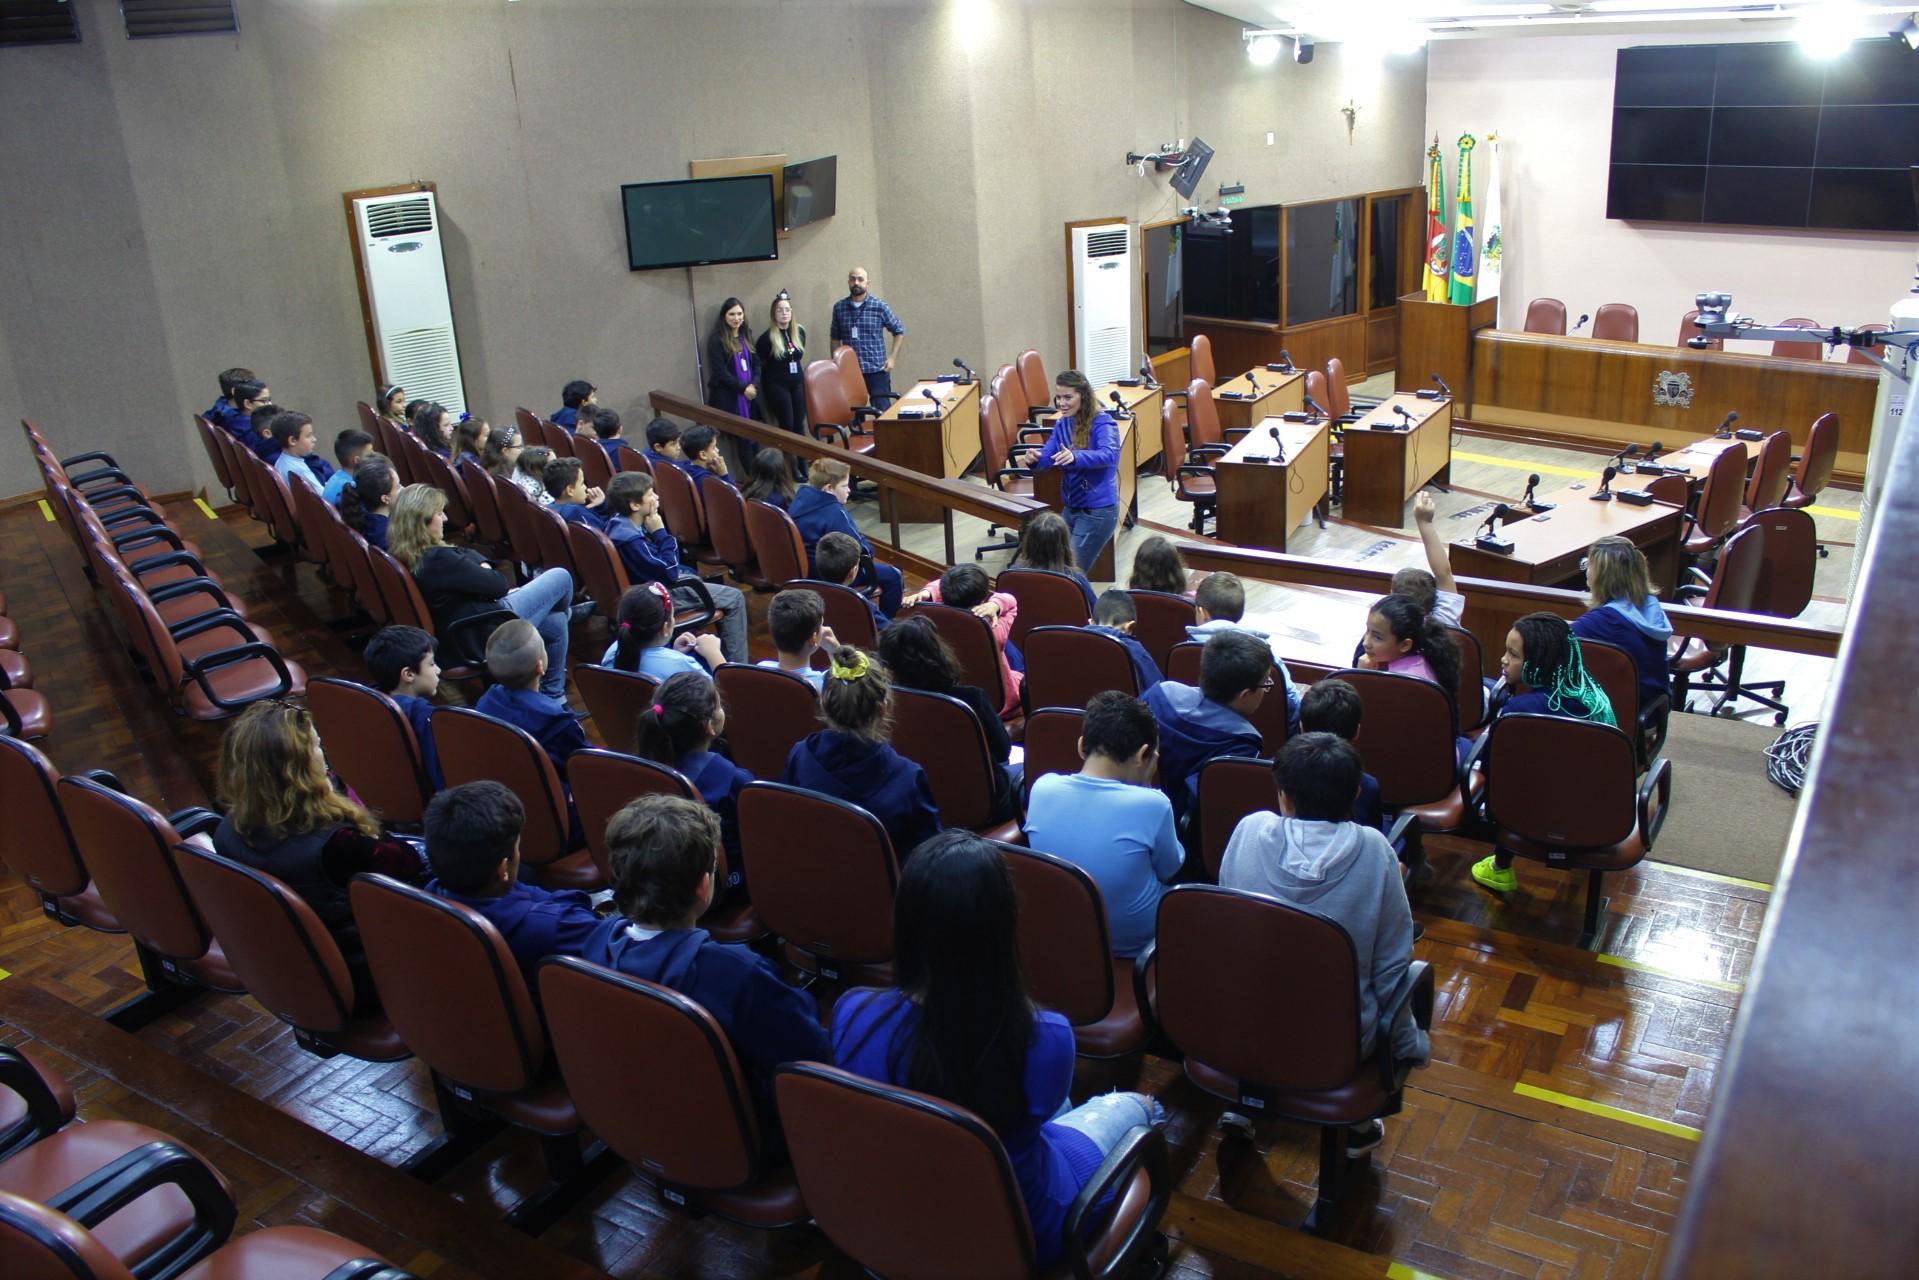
(859, 319)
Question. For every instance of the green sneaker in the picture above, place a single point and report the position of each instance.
(1488, 872)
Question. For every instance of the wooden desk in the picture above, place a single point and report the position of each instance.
(1548, 547)
(1697, 459)
(1046, 488)
(1147, 405)
(939, 447)
(1317, 626)
(1268, 395)
(1603, 391)
(1260, 503)
(1384, 468)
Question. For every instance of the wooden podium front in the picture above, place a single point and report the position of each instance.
(935, 444)
(1046, 488)
(1261, 501)
(1386, 467)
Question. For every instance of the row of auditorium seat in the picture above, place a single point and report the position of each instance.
(23, 713)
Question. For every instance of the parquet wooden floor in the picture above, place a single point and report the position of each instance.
(1552, 1135)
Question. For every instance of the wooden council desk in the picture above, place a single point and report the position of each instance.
(1046, 488)
(1259, 503)
(1316, 630)
(1384, 468)
(1604, 391)
(938, 446)
(1258, 394)
(1696, 459)
(1548, 548)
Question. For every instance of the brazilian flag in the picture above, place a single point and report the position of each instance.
(1465, 256)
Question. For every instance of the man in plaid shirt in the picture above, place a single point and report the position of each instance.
(858, 320)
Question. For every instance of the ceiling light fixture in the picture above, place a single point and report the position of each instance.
(1263, 50)
(1828, 30)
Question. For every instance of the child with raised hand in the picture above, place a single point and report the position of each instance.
(401, 663)
(1432, 588)
(473, 845)
(1400, 637)
(1542, 673)
(516, 659)
(797, 620)
(966, 586)
(678, 731)
(852, 760)
(643, 639)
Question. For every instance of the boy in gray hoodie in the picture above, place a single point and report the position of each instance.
(1311, 855)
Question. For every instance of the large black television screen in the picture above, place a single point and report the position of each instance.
(697, 222)
(812, 190)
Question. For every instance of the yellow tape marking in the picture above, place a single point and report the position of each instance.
(1674, 867)
(202, 504)
(1639, 967)
(46, 510)
(1548, 468)
(1400, 1271)
(1611, 1113)
(1836, 513)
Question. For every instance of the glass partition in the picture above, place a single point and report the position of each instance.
(1322, 261)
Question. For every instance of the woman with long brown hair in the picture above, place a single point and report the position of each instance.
(1085, 445)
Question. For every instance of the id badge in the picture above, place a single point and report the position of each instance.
(793, 368)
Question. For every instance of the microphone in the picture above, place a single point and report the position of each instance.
(1444, 389)
(1626, 456)
(1146, 373)
(1724, 430)
(1577, 327)
(1488, 538)
(1532, 486)
(1407, 418)
(1653, 451)
(1119, 405)
(1314, 406)
(1286, 359)
(1279, 448)
(961, 366)
(1605, 485)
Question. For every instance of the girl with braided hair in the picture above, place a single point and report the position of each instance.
(851, 758)
(1544, 675)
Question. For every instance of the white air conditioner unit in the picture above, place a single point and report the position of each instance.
(406, 294)
(1103, 288)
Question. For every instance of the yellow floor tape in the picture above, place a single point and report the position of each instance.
(1552, 469)
(202, 504)
(1639, 967)
(1611, 1113)
(46, 510)
(1400, 1271)
(1715, 876)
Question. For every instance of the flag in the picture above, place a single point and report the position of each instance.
(1492, 252)
(1436, 256)
(1465, 254)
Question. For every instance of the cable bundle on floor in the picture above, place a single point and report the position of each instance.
(1788, 757)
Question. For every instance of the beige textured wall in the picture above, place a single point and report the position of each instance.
(173, 206)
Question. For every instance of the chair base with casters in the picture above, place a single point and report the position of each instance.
(1730, 688)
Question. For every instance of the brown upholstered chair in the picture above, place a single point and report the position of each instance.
(656, 1079)
(684, 514)
(289, 961)
(1546, 315)
(24, 714)
(1781, 587)
(596, 564)
(40, 847)
(773, 710)
(831, 415)
(1342, 405)
(556, 545)
(516, 511)
(1408, 742)
(1269, 717)
(462, 645)
(126, 845)
(1051, 743)
(1733, 586)
(35, 1101)
(211, 682)
(1005, 462)
(1202, 415)
(1163, 619)
(726, 526)
(823, 880)
(1771, 476)
(629, 459)
(1616, 322)
(1616, 673)
(1230, 787)
(944, 736)
(1815, 464)
(1813, 350)
(1046, 599)
(1191, 481)
(1568, 792)
(1033, 379)
(1284, 1050)
(909, 1185)
(616, 700)
(1066, 951)
(374, 748)
(1688, 331)
(457, 996)
(489, 521)
(848, 613)
(459, 514)
(477, 748)
(972, 641)
(1717, 514)
(310, 512)
(1470, 697)
(351, 566)
(853, 383)
(532, 426)
(1069, 666)
(215, 454)
(595, 467)
(778, 549)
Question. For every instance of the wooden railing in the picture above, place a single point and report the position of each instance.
(981, 501)
(1716, 626)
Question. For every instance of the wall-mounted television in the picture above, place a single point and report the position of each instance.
(811, 191)
(699, 222)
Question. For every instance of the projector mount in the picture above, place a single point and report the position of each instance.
(1716, 319)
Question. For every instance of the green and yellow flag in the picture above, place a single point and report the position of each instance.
(1438, 253)
(1465, 252)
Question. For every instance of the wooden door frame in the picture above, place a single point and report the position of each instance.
(359, 263)
(1072, 334)
(1145, 301)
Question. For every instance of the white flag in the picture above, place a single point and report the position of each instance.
(1492, 252)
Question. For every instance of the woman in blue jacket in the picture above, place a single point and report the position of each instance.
(1085, 445)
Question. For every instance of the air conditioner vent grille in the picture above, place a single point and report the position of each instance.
(399, 217)
(30, 22)
(1106, 244)
(177, 17)
(427, 363)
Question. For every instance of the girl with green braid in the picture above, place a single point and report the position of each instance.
(1544, 674)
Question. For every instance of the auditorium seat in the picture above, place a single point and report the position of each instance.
(1277, 1050)
(775, 710)
(907, 1184)
(778, 549)
(24, 714)
(1163, 619)
(605, 781)
(1716, 514)
(616, 700)
(1617, 674)
(726, 526)
(1408, 741)
(1066, 953)
(439, 474)
(1230, 787)
(475, 747)
(1546, 315)
(35, 1100)
(848, 612)
(209, 440)
(374, 749)
(1470, 695)
(684, 515)
(1616, 322)
(41, 849)
(1052, 743)
(556, 545)
(595, 467)
(1782, 588)
(1269, 717)
(516, 512)
(462, 645)
(823, 880)
(1046, 598)
(1813, 350)
(945, 738)
(1069, 666)
(655, 1078)
(596, 565)
(1771, 476)
(972, 642)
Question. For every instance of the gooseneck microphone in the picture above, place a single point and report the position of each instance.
(1444, 389)
(1286, 359)
(1146, 373)
(1488, 538)
(1406, 418)
(1724, 430)
(961, 366)
(1577, 327)
(1279, 447)
(1625, 460)
(1119, 405)
(1313, 405)
(1605, 485)
(1532, 487)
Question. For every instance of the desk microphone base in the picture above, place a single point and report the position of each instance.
(1601, 497)
(1494, 543)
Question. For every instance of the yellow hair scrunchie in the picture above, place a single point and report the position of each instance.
(859, 668)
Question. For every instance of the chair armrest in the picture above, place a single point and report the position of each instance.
(106, 1191)
(166, 560)
(94, 456)
(84, 478)
(1473, 759)
(1034, 435)
(836, 432)
(146, 535)
(195, 820)
(1142, 984)
(1658, 781)
(1017, 473)
(105, 779)
(1416, 1001)
(1142, 1149)
(190, 586)
(1234, 433)
(134, 510)
(200, 669)
(1401, 825)
(455, 639)
(112, 493)
(45, 1114)
(213, 621)
(707, 612)
(1167, 397)
(1207, 451)
(861, 412)
(1688, 591)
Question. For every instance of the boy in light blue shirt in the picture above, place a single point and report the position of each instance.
(293, 432)
(349, 447)
(797, 620)
(1110, 820)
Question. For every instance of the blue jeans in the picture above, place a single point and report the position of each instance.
(1111, 1116)
(732, 626)
(547, 602)
(891, 584)
(1092, 529)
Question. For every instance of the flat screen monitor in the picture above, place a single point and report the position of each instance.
(697, 222)
(1186, 177)
(811, 190)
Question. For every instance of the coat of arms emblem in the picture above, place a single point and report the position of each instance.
(1674, 389)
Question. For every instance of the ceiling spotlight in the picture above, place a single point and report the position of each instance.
(1828, 30)
(1264, 51)
(1907, 30)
